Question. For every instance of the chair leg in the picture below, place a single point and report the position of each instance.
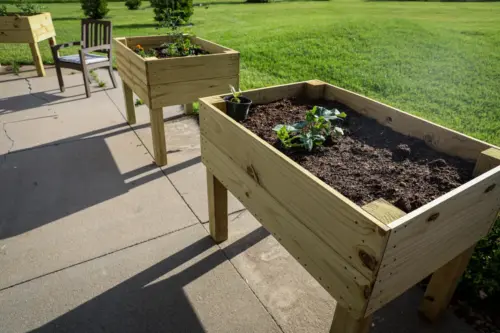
(60, 78)
(86, 81)
(112, 76)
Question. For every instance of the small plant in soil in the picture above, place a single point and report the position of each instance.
(311, 132)
(237, 105)
(138, 102)
(180, 46)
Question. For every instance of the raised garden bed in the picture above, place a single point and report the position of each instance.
(364, 251)
(169, 81)
(28, 29)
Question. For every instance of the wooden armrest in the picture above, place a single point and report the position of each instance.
(65, 45)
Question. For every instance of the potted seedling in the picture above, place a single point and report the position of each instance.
(237, 105)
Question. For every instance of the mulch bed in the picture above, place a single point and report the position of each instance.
(370, 161)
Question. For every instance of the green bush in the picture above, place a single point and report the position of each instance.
(133, 4)
(95, 9)
(257, 1)
(3, 10)
(481, 283)
(28, 9)
(172, 12)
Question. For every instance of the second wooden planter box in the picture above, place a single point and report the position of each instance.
(172, 81)
(28, 29)
(363, 256)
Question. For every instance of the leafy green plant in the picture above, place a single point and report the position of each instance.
(133, 4)
(28, 8)
(172, 12)
(15, 67)
(138, 102)
(100, 83)
(311, 132)
(236, 94)
(3, 10)
(179, 46)
(95, 9)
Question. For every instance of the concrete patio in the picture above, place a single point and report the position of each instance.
(95, 238)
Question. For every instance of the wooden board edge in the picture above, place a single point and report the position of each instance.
(333, 92)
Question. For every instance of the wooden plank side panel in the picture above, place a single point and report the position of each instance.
(338, 277)
(429, 237)
(274, 93)
(355, 235)
(194, 68)
(436, 136)
(209, 46)
(42, 26)
(187, 92)
(131, 67)
(122, 51)
(14, 23)
(138, 87)
(16, 36)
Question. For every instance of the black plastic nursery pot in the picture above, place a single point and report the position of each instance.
(238, 111)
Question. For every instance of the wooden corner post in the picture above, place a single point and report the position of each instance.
(444, 281)
(158, 132)
(217, 208)
(343, 322)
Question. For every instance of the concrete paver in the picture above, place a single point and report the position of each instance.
(71, 202)
(177, 283)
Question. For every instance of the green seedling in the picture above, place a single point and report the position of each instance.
(236, 94)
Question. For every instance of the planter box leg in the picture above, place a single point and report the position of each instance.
(386, 213)
(129, 103)
(37, 59)
(158, 131)
(188, 108)
(344, 323)
(217, 208)
(444, 281)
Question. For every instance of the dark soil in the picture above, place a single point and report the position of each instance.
(370, 161)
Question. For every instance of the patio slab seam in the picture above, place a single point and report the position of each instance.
(96, 257)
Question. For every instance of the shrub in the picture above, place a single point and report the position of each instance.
(480, 283)
(257, 1)
(95, 9)
(133, 4)
(3, 10)
(28, 9)
(172, 13)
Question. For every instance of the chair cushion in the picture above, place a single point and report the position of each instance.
(89, 58)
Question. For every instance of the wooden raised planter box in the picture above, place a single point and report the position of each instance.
(31, 30)
(363, 256)
(172, 81)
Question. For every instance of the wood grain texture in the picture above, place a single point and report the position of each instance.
(138, 87)
(383, 210)
(217, 208)
(129, 103)
(444, 281)
(186, 92)
(26, 29)
(429, 237)
(337, 276)
(194, 68)
(37, 59)
(344, 323)
(357, 237)
(158, 132)
(436, 136)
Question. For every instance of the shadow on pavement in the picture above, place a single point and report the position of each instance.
(135, 305)
(51, 181)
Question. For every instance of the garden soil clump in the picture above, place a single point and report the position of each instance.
(370, 161)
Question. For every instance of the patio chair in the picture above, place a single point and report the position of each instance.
(96, 37)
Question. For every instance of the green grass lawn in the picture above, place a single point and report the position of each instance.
(440, 61)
